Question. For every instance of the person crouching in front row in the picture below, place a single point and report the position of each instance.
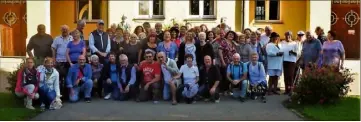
(127, 78)
(79, 79)
(257, 78)
(210, 77)
(237, 75)
(49, 86)
(27, 83)
(190, 79)
(110, 76)
(150, 84)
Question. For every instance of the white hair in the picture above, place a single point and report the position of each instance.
(236, 55)
(268, 27)
(94, 57)
(81, 22)
(202, 33)
(123, 57)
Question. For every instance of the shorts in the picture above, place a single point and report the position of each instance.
(274, 72)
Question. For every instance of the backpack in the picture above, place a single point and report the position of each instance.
(232, 69)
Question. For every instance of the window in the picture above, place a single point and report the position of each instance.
(88, 9)
(267, 10)
(150, 9)
(202, 8)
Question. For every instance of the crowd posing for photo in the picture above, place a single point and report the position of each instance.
(179, 64)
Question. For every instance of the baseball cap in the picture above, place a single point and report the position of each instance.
(100, 22)
(300, 33)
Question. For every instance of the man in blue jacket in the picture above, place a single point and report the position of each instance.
(79, 78)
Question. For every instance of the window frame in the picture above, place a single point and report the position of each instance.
(89, 19)
(267, 12)
(150, 15)
(201, 11)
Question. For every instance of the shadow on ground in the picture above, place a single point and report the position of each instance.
(227, 109)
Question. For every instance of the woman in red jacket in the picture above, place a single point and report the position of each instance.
(27, 83)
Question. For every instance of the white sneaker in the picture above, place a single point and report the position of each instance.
(30, 107)
(107, 97)
(217, 101)
(155, 102)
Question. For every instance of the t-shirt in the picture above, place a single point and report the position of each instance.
(190, 74)
(75, 50)
(237, 70)
(132, 52)
(149, 70)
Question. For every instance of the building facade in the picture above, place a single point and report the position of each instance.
(282, 15)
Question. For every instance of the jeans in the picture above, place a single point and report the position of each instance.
(241, 91)
(204, 92)
(86, 87)
(47, 96)
(113, 89)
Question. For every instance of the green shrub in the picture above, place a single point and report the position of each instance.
(12, 77)
(322, 85)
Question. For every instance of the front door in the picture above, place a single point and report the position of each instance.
(345, 21)
(13, 27)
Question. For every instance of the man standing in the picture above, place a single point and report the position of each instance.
(41, 43)
(320, 34)
(209, 80)
(80, 26)
(59, 47)
(99, 42)
(149, 86)
(169, 70)
(79, 79)
(311, 50)
(158, 28)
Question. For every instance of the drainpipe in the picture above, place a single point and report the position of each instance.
(242, 15)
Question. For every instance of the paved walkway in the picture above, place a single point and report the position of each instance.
(227, 109)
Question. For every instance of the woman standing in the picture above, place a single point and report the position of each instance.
(138, 30)
(247, 33)
(204, 28)
(182, 33)
(49, 90)
(132, 49)
(333, 53)
(226, 50)
(126, 36)
(274, 57)
(290, 50)
(243, 48)
(187, 47)
(167, 46)
(205, 48)
(117, 45)
(174, 32)
(27, 83)
(75, 48)
(210, 36)
(151, 44)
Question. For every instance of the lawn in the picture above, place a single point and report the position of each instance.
(348, 109)
(12, 109)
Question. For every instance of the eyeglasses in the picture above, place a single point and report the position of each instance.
(149, 56)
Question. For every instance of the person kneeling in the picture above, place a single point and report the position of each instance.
(237, 75)
(112, 86)
(49, 90)
(127, 77)
(150, 85)
(79, 79)
(190, 79)
(27, 83)
(210, 78)
(257, 78)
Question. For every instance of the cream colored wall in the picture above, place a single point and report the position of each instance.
(38, 12)
(319, 15)
(172, 9)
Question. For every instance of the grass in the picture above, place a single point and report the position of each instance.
(348, 109)
(12, 109)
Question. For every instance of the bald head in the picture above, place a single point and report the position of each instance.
(268, 30)
(41, 29)
(64, 30)
(309, 35)
(236, 58)
(80, 25)
(161, 57)
(81, 60)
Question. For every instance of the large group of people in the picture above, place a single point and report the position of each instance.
(182, 63)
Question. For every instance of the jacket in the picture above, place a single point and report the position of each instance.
(53, 81)
(20, 80)
(274, 61)
(73, 74)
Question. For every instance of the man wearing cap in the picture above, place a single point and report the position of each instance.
(99, 42)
